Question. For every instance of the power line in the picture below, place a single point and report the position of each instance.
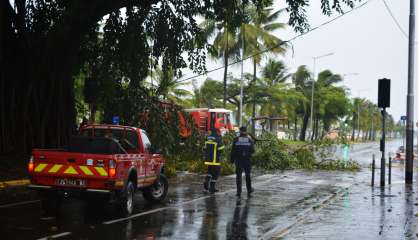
(394, 19)
(280, 44)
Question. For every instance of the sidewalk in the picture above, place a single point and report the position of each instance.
(366, 213)
(14, 183)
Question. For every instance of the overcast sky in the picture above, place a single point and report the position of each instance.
(365, 41)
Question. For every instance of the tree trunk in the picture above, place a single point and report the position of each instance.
(226, 52)
(254, 106)
(37, 96)
(93, 110)
(354, 128)
(304, 126)
(295, 133)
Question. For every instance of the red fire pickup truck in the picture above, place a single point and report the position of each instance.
(108, 162)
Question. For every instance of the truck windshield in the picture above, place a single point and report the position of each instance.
(128, 136)
(103, 132)
(232, 119)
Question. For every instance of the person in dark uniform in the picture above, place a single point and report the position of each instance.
(213, 150)
(83, 123)
(242, 149)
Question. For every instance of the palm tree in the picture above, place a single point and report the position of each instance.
(224, 45)
(357, 102)
(330, 101)
(169, 87)
(275, 72)
(273, 92)
(302, 82)
(257, 36)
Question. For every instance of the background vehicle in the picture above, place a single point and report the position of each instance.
(207, 119)
(106, 162)
(204, 119)
(400, 153)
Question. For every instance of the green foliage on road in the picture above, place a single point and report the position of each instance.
(273, 154)
(339, 165)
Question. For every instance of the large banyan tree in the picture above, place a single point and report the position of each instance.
(43, 46)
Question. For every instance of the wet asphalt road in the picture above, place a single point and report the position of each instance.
(188, 212)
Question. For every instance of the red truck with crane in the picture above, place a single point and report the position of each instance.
(207, 119)
(111, 162)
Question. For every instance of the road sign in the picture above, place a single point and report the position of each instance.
(403, 118)
(115, 120)
(345, 153)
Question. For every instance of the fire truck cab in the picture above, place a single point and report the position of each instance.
(213, 118)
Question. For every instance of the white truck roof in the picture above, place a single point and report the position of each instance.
(208, 109)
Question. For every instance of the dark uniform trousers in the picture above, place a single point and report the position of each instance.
(242, 149)
(241, 166)
(212, 177)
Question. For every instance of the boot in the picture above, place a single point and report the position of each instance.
(206, 182)
(212, 188)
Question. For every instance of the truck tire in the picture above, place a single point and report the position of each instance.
(126, 202)
(50, 203)
(158, 191)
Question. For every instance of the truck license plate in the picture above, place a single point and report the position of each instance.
(71, 182)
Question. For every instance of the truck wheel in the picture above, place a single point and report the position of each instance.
(127, 199)
(50, 203)
(158, 191)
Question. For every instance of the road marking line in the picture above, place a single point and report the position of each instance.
(55, 236)
(175, 206)
(136, 215)
(18, 204)
(279, 232)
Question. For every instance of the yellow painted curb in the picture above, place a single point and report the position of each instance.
(14, 183)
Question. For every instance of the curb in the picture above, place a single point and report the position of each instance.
(14, 183)
(278, 233)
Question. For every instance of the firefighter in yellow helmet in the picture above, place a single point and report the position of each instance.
(213, 151)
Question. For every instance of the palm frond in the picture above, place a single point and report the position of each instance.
(274, 26)
(275, 15)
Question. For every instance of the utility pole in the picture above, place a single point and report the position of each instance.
(383, 102)
(358, 119)
(242, 74)
(409, 153)
(382, 149)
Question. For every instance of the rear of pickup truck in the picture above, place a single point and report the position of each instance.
(87, 168)
(87, 164)
(70, 171)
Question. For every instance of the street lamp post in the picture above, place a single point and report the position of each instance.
(242, 79)
(313, 87)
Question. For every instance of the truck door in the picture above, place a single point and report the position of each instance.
(134, 148)
(212, 121)
(150, 160)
